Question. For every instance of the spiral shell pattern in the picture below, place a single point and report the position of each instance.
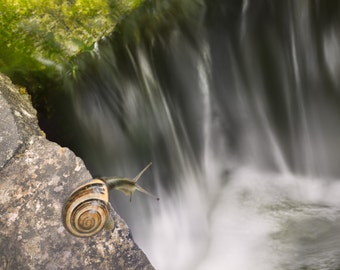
(87, 210)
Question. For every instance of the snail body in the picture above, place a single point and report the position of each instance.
(88, 210)
(127, 185)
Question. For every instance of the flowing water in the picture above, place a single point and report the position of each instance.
(238, 107)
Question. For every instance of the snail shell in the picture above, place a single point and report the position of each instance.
(87, 211)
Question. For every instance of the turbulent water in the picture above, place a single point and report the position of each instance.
(238, 107)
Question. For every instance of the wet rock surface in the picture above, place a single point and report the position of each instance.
(37, 176)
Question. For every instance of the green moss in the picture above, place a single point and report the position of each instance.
(41, 35)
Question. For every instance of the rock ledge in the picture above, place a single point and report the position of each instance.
(36, 178)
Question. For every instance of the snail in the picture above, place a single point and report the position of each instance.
(88, 210)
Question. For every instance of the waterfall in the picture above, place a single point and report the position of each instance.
(238, 108)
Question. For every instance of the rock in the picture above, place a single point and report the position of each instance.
(18, 120)
(36, 178)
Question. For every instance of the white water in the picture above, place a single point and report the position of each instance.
(257, 220)
(245, 141)
(246, 217)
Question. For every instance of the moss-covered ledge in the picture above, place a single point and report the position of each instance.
(37, 35)
(36, 178)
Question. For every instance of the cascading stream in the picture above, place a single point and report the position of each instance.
(239, 111)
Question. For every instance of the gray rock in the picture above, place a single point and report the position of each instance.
(37, 176)
(18, 119)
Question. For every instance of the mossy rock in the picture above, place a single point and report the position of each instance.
(41, 35)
